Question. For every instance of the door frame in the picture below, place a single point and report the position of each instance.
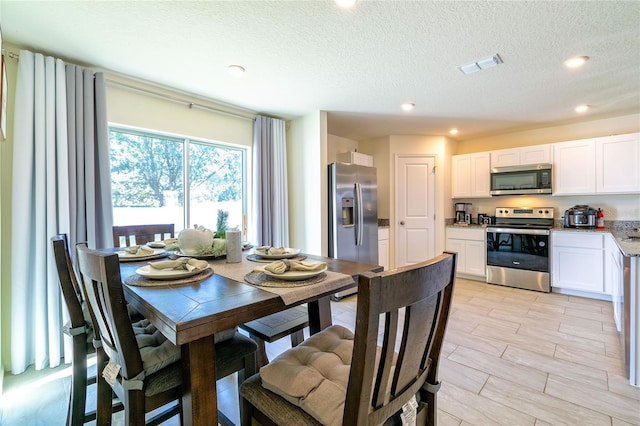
(393, 213)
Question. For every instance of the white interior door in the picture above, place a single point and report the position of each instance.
(415, 209)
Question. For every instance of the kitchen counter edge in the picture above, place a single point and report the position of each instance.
(629, 248)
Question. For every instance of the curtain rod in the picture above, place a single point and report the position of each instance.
(189, 104)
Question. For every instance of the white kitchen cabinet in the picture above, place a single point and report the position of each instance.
(383, 247)
(535, 154)
(574, 169)
(613, 281)
(470, 175)
(618, 164)
(470, 245)
(606, 165)
(578, 261)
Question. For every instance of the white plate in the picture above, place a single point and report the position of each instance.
(291, 252)
(295, 275)
(156, 244)
(165, 274)
(124, 255)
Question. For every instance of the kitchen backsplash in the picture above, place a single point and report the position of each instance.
(615, 207)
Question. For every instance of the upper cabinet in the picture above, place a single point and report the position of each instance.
(574, 167)
(606, 165)
(618, 164)
(470, 175)
(536, 154)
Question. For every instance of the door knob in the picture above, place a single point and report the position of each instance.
(402, 222)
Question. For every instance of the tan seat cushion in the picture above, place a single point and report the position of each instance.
(314, 374)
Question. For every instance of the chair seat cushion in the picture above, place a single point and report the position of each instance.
(156, 351)
(314, 375)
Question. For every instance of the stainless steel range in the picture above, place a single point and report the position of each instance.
(518, 247)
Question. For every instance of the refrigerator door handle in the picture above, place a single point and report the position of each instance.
(360, 212)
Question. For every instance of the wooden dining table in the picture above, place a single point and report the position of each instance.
(190, 315)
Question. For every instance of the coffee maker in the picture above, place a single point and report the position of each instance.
(461, 213)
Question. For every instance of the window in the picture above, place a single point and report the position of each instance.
(158, 178)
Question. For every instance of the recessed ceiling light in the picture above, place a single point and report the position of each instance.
(576, 61)
(582, 108)
(453, 131)
(408, 106)
(236, 70)
(346, 3)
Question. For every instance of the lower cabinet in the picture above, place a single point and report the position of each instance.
(578, 261)
(614, 277)
(470, 245)
(383, 247)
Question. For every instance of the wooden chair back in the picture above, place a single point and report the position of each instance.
(78, 331)
(415, 302)
(130, 235)
(102, 285)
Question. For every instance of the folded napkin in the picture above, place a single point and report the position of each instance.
(267, 250)
(139, 250)
(284, 265)
(186, 263)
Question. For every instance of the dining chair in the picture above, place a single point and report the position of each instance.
(336, 377)
(130, 235)
(290, 322)
(80, 329)
(141, 366)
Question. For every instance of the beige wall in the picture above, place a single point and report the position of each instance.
(380, 150)
(142, 105)
(566, 132)
(337, 145)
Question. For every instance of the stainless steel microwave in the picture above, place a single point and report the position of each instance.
(521, 180)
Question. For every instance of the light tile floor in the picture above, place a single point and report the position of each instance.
(511, 357)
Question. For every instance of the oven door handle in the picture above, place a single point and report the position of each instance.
(520, 231)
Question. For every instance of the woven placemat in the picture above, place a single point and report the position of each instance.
(258, 258)
(140, 281)
(261, 279)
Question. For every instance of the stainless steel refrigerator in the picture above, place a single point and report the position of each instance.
(353, 215)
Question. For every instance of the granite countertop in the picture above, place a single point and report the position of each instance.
(622, 232)
(629, 246)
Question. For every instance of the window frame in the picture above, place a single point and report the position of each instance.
(186, 140)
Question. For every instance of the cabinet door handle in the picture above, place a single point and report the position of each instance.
(402, 222)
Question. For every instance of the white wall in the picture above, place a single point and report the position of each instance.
(307, 168)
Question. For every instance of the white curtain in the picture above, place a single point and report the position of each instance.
(59, 186)
(270, 173)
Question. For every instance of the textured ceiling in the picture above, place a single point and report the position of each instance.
(360, 64)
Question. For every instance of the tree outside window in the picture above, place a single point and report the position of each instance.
(149, 174)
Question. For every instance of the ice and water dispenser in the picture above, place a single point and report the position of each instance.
(348, 218)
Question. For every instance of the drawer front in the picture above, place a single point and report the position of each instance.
(578, 239)
(476, 234)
